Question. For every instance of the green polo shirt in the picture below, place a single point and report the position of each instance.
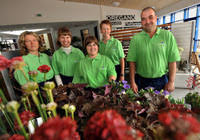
(32, 63)
(112, 49)
(152, 55)
(65, 64)
(94, 72)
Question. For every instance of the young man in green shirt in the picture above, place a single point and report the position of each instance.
(152, 53)
(95, 69)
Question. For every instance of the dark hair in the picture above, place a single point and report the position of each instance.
(21, 42)
(147, 8)
(90, 39)
(62, 31)
(105, 22)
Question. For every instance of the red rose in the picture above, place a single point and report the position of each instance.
(17, 137)
(108, 125)
(4, 62)
(57, 129)
(44, 68)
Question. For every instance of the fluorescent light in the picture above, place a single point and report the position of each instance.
(115, 3)
(18, 32)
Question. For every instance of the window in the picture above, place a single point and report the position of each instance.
(167, 19)
(161, 20)
(179, 16)
(192, 12)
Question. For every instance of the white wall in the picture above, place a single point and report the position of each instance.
(24, 11)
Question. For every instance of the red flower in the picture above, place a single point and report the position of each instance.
(4, 62)
(175, 114)
(57, 129)
(165, 118)
(0, 100)
(180, 136)
(107, 125)
(194, 124)
(25, 117)
(19, 58)
(44, 68)
(179, 125)
(17, 137)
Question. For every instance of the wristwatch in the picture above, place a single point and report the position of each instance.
(121, 74)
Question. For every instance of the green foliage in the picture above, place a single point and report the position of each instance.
(193, 99)
(176, 101)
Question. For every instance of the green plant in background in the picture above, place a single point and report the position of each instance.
(193, 99)
(176, 101)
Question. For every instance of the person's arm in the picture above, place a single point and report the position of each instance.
(172, 73)
(112, 75)
(58, 80)
(132, 67)
(122, 64)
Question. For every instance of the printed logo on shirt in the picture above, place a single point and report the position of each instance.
(162, 44)
(76, 61)
(102, 68)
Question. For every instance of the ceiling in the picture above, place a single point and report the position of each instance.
(131, 4)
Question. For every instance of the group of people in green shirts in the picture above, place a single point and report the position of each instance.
(68, 64)
(152, 53)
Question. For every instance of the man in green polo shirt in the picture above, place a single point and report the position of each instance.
(152, 54)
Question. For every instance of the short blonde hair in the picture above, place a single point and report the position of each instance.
(21, 42)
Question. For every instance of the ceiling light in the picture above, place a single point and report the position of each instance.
(116, 3)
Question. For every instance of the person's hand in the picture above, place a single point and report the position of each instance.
(134, 87)
(169, 86)
(121, 78)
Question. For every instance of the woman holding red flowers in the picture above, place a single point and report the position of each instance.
(30, 45)
(66, 58)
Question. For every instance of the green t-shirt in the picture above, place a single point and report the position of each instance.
(94, 72)
(32, 63)
(152, 55)
(112, 49)
(65, 64)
